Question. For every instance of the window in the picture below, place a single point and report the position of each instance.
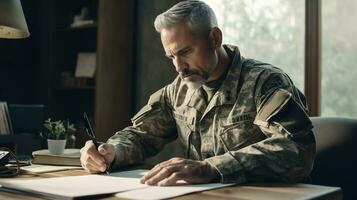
(339, 58)
(271, 31)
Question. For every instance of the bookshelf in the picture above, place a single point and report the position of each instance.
(107, 98)
(71, 95)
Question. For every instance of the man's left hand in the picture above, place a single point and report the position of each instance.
(176, 170)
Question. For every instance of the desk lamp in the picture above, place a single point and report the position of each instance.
(12, 26)
(12, 20)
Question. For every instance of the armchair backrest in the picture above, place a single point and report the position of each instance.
(336, 154)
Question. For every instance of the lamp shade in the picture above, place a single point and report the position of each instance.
(12, 20)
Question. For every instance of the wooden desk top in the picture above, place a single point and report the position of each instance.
(259, 191)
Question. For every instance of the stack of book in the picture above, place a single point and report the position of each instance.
(70, 157)
(5, 120)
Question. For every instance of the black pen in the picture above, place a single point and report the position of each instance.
(91, 134)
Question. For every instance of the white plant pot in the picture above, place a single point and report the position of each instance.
(56, 147)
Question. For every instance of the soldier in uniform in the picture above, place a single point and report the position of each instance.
(239, 119)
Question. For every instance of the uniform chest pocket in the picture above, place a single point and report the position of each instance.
(185, 125)
(239, 132)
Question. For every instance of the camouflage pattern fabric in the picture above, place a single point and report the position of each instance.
(254, 128)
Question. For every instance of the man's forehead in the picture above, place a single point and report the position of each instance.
(175, 39)
(172, 35)
(174, 47)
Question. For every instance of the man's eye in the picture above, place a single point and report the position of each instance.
(185, 52)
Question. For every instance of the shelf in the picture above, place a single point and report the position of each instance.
(70, 95)
(86, 88)
(77, 28)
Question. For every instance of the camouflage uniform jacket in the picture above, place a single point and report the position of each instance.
(254, 128)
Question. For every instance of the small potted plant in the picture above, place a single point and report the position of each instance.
(56, 136)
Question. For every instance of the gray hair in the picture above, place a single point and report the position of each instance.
(200, 16)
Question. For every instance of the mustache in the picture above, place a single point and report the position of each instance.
(188, 72)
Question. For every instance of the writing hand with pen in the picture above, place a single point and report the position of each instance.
(96, 158)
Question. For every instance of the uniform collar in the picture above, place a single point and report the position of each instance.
(227, 92)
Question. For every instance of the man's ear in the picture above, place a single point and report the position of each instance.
(216, 37)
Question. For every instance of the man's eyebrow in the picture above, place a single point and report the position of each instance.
(179, 51)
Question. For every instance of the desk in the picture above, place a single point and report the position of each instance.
(263, 191)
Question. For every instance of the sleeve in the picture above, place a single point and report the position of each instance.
(152, 128)
(287, 153)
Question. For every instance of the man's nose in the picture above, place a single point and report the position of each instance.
(180, 64)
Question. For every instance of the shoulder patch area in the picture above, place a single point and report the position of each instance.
(157, 96)
(274, 81)
(272, 105)
(280, 108)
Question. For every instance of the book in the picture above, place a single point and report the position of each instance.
(86, 64)
(2, 120)
(37, 169)
(8, 119)
(5, 121)
(70, 157)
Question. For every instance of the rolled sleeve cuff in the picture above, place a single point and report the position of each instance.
(125, 152)
(119, 157)
(229, 168)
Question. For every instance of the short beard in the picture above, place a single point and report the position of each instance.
(203, 76)
(195, 85)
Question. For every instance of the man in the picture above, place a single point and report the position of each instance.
(240, 119)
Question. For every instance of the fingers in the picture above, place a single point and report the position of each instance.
(108, 152)
(153, 171)
(172, 179)
(92, 167)
(163, 174)
(159, 167)
(105, 148)
(91, 160)
(180, 171)
(89, 168)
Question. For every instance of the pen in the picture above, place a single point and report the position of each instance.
(91, 134)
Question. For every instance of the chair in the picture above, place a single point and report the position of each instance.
(27, 118)
(27, 122)
(336, 159)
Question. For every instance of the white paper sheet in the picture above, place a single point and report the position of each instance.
(156, 192)
(126, 183)
(75, 186)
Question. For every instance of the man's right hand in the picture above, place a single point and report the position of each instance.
(93, 160)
